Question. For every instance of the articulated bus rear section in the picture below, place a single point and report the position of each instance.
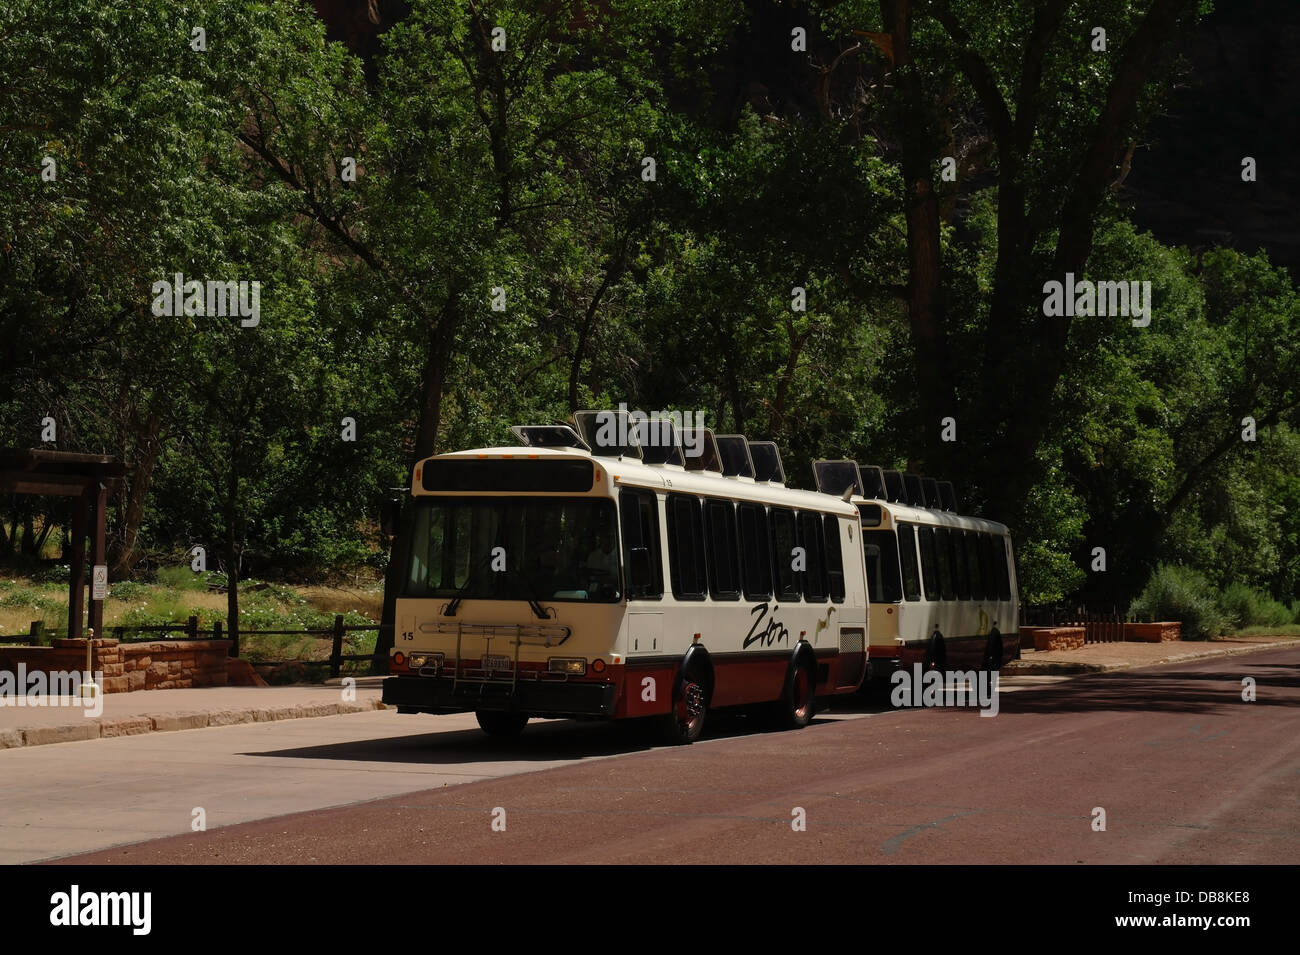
(546, 582)
(943, 591)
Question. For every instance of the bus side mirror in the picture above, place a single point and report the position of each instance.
(638, 570)
(390, 515)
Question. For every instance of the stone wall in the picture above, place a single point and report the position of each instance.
(1153, 632)
(1054, 638)
(156, 665)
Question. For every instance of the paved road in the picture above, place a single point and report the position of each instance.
(1184, 769)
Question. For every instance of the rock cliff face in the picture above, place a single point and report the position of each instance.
(1241, 98)
(357, 24)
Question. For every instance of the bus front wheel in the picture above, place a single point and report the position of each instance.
(506, 725)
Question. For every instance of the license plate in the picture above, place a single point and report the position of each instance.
(496, 663)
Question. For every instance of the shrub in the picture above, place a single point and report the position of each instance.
(54, 574)
(127, 590)
(1174, 592)
(1245, 607)
(181, 578)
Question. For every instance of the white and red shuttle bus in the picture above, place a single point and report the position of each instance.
(550, 580)
(943, 585)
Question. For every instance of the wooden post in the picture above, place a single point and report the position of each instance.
(77, 578)
(192, 628)
(217, 627)
(35, 635)
(98, 509)
(337, 651)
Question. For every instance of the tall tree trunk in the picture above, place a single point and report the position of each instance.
(936, 396)
(29, 536)
(232, 548)
(148, 450)
(438, 355)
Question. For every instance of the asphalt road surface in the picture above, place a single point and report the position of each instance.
(1184, 770)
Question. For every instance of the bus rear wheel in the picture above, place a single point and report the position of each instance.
(936, 656)
(993, 654)
(685, 722)
(798, 699)
(499, 724)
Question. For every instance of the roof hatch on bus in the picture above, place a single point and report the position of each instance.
(915, 489)
(659, 442)
(548, 436)
(734, 452)
(872, 479)
(609, 434)
(836, 477)
(767, 462)
(932, 498)
(895, 489)
(701, 449)
(948, 495)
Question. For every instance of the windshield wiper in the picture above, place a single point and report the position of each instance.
(450, 609)
(533, 602)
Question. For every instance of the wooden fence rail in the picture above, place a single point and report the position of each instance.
(189, 630)
(1099, 626)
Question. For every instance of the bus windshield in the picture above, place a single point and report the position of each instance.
(550, 549)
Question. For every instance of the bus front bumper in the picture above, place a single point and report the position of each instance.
(417, 694)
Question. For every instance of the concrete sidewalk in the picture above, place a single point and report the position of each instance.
(152, 711)
(1102, 657)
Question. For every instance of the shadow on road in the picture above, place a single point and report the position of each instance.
(1163, 691)
(542, 741)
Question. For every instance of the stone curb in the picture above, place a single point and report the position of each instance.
(168, 722)
(1064, 668)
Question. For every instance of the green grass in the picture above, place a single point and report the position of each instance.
(180, 594)
(1285, 630)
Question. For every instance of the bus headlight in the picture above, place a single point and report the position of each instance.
(574, 666)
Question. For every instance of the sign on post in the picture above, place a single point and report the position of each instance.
(99, 582)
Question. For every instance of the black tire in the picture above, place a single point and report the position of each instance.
(936, 655)
(501, 724)
(993, 654)
(684, 723)
(798, 703)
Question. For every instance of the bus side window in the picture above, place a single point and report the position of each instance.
(834, 556)
(639, 513)
(810, 539)
(686, 548)
(957, 550)
(971, 556)
(929, 569)
(755, 560)
(720, 535)
(988, 565)
(1004, 576)
(783, 545)
(907, 557)
(943, 557)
